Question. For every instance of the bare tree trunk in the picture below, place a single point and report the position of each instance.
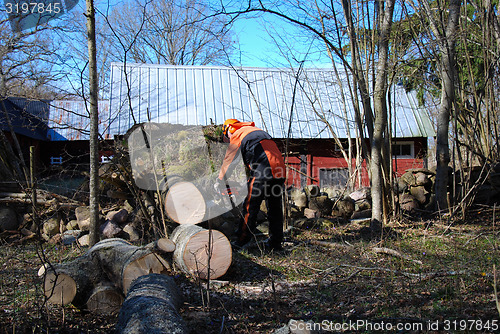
(94, 120)
(442, 146)
(380, 124)
(446, 38)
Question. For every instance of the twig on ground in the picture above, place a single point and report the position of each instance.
(389, 251)
(329, 244)
(420, 276)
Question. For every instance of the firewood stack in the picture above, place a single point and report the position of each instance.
(313, 202)
(415, 190)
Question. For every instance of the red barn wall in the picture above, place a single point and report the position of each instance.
(307, 157)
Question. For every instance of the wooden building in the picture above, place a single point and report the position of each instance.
(304, 112)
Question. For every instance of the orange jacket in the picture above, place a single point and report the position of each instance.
(259, 152)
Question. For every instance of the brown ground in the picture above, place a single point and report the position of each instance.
(441, 271)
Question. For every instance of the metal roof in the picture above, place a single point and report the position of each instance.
(69, 120)
(27, 117)
(203, 95)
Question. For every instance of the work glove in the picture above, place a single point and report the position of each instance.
(218, 186)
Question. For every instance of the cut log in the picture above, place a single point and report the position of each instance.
(152, 306)
(124, 262)
(105, 299)
(185, 204)
(72, 282)
(322, 204)
(408, 202)
(345, 207)
(165, 245)
(113, 260)
(195, 246)
(420, 193)
(8, 219)
(312, 190)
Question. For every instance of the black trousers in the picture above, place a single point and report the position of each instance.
(260, 190)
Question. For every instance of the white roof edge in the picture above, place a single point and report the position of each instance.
(220, 67)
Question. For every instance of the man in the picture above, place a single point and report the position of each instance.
(266, 182)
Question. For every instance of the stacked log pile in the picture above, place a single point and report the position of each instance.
(313, 202)
(415, 189)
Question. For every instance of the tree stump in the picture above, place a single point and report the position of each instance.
(152, 306)
(200, 252)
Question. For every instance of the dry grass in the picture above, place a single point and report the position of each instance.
(439, 270)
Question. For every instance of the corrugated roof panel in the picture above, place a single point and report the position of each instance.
(197, 95)
(70, 119)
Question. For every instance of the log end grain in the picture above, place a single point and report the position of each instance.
(185, 204)
(196, 245)
(105, 299)
(166, 245)
(59, 288)
(149, 264)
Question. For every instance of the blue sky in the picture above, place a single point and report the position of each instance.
(258, 49)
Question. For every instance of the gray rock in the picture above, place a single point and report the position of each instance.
(82, 214)
(362, 193)
(118, 217)
(69, 237)
(51, 226)
(110, 229)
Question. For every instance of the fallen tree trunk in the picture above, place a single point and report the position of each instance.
(124, 262)
(205, 254)
(113, 260)
(152, 306)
